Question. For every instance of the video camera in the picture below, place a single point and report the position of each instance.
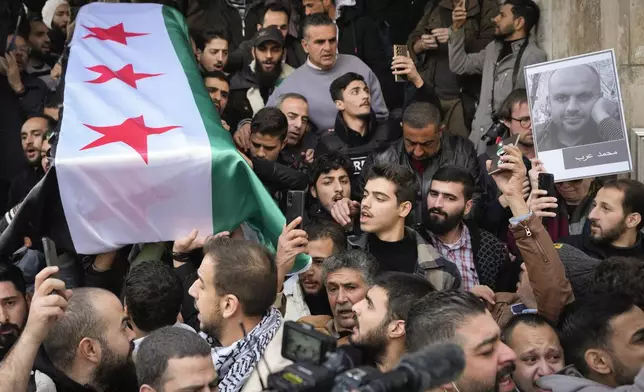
(320, 366)
(497, 129)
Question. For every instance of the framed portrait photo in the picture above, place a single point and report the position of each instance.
(578, 123)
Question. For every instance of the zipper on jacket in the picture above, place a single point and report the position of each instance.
(528, 233)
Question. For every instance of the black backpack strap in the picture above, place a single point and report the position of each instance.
(517, 63)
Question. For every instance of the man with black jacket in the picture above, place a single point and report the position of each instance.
(357, 132)
(274, 14)
(251, 87)
(617, 218)
(268, 138)
(425, 148)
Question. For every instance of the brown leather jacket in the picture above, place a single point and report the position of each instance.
(324, 324)
(546, 272)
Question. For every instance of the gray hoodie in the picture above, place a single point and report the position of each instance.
(559, 383)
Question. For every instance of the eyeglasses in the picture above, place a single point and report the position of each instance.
(525, 122)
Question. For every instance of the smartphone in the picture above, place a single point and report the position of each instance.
(547, 183)
(495, 152)
(400, 50)
(295, 206)
(51, 256)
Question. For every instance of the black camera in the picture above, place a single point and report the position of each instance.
(317, 360)
(320, 366)
(497, 129)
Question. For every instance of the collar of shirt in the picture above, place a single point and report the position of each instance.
(463, 241)
(310, 64)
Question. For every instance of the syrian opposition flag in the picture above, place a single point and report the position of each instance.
(142, 155)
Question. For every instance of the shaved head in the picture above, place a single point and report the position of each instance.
(572, 94)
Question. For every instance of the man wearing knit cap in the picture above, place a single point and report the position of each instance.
(56, 14)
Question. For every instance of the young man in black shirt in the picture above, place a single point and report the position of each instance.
(388, 198)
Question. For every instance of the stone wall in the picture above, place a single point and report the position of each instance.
(573, 27)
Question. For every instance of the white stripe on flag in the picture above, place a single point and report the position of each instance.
(111, 197)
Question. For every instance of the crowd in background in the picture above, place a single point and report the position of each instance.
(412, 241)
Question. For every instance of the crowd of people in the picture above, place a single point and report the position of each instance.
(412, 241)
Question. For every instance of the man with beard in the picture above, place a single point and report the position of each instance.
(212, 49)
(357, 132)
(40, 61)
(380, 317)
(386, 202)
(300, 139)
(477, 253)
(330, 183)
(428, 47)
(90, 346)
(533, 338)
(501, 62)
(16, 369)
(56, 14)
(579, 114)
(14, 306)
(515, 115)
(32, 134)
(617, 218)
(278, 14)
(218, 88)
(602, 337)
(347, 276)
(424, 148)
(234, 293)
(251, 87)
(460, 317)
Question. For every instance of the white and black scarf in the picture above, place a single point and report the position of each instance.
(235, 363)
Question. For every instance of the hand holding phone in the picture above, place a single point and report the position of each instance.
(51, 255)
(547, 183)
(495, 152)
(295, 206)
(402, 51)
(459, 15)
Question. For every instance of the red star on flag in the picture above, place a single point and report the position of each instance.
(115, 33)
(125, 74)
(132, 132)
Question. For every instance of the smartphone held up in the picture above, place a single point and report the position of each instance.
(496, 151)
(400, 50)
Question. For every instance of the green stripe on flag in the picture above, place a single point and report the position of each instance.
(237, 194)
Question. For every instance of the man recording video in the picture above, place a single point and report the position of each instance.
(579, 114)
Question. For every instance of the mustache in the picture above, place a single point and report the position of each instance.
(343, 307)
(438, 211)
(507, 370)
(8, 327)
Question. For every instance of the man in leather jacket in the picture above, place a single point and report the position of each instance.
(425, 148)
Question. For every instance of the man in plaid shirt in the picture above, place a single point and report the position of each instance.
(478, 255)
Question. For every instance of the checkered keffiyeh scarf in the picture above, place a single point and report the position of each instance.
(235, 364)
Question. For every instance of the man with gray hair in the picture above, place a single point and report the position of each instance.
(579, 114)
(175, 360)
(90, 347)
(300, 139)
(347, 276)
